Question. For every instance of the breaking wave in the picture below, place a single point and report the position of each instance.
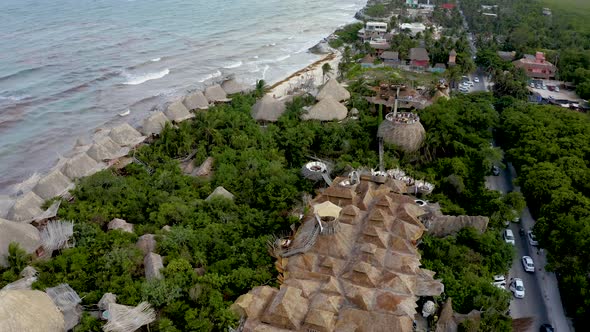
(136, 80)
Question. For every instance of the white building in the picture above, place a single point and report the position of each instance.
(413, 27)
(372, 31)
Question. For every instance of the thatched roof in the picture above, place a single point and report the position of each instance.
(268, 109)
(128, 319)
(56, 235)
(447, 225)
(205, 168)
(29, 310)
(177, 112)
(52, 185)
(333, 89)
(221, 192)
(67, 301)
(327, 109)
(105, 300)
(104, 148)
(232, 86)
(216, 94)
(125, 135)
(440, 94)
(408, 137)
(196, 100)
(146, 243)
(327, 209)
(120, 224)
(154, 124)
(27, 236)
(79, 166)
(26, 208)
(152, 264)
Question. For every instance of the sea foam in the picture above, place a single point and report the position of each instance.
(136, 80)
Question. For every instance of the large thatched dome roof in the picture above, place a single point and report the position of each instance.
(327, 109)
(268, 109)
(333, 89)
(407, 136)
(29, 310)
(26, 235)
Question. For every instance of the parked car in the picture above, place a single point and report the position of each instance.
(556, 89)
(495, 170)
(508, 236)
(532, 238)
(532, 85)
(546, 328)
(476, 79)
(517, 288)
(527, 263)
(499, 281)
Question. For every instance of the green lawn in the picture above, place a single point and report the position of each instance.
(576, 11)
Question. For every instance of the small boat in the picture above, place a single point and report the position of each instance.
(127, 112)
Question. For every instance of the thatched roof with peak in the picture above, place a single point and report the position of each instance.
(196, 101)
(27, 237)
(125, 135)
(26, 208)
(268, 109)
(120, 224)
(104, 148)
(128, 319)
(216, 94)
(333, 89)
(326, 109)
(220, 192)
(232, 86)
(408, 137)
(29, 310)
(177, 112)
(52, 185)
(154, 124)
(80, 165)
(152, 265)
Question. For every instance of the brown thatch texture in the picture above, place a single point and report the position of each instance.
(27, 237)
(447, 225)
(177, 112)
(52, 185)
(120, 224)
(232, 86)
(146, 243)
(29, 310)
(196, 100)
(26, 208)
(409, 137)
(152, 264)
(333, 89)
(287, 310)
(104, 148)
(125, 135)
(327, 109)
(216, 94)
(220, 192)
(268, 109)
(205, 168)
(80, 165)
(154, 124)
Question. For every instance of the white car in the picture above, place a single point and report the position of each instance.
(532, 238)
(517, 288)
(527, 263)
(499, 281)
(476, 79)
(556, 89)
(509, 236)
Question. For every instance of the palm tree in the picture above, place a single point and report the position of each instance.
(260, 89)
(326, 69)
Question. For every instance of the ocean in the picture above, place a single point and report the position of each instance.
(68, 67)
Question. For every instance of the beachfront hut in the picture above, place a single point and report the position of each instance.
(123, 318)
(152, 264)
(408, 136)
(154, 124)
(29, 310)
(232, 86)
(26, 208)
(216, 94)
(177, 112)
(104, 148)
(29, 276)
(221, 192)
(56, 235)
(268, 109)
(333, 89)
(196, 100)
(125, 135)
(80, 166)
(68, 302)
(105, 300)
(120, 224)
(327, 109)
(26, 235)
(146, 243)
(52, 185)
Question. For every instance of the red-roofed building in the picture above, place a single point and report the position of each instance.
(536, 66)
(448, 6)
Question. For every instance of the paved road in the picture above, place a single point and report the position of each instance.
(542, 301)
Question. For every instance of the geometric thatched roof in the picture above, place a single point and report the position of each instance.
(79, 166)
(123, 318)
(125, 135)
(120, 224)
(52, 185)
(446, 225)
(333, 89)
(268, 109)
(232, 86)
(326, 109)
(407, 136)
(177, 112)
(104, 148)
(327, 209)
(26, 235)
(196, 100)
(152, 265)
(221, 192)
(29, 310)
(154, 124)
(26, 208)
(216, 94)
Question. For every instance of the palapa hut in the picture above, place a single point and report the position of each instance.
(407, 135)
(68, 302)
(125, 135)
(120, 224)
(29, 310)
(177, 112)
(52, 185)
(104, 148)
(29, 276)
(232, 86)
(333, 89)
(268, 109)
(220, 192)
(327, 109)
(79, 166)
(216, 94)
(152, 264)
(154, 124)
(27, 237)
(196, 100)
(146, 243)
(105, 300)
(56, 235)
(327, 209)
(26, 208)
(123, 318)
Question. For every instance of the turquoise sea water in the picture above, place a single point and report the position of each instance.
(68, 67)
